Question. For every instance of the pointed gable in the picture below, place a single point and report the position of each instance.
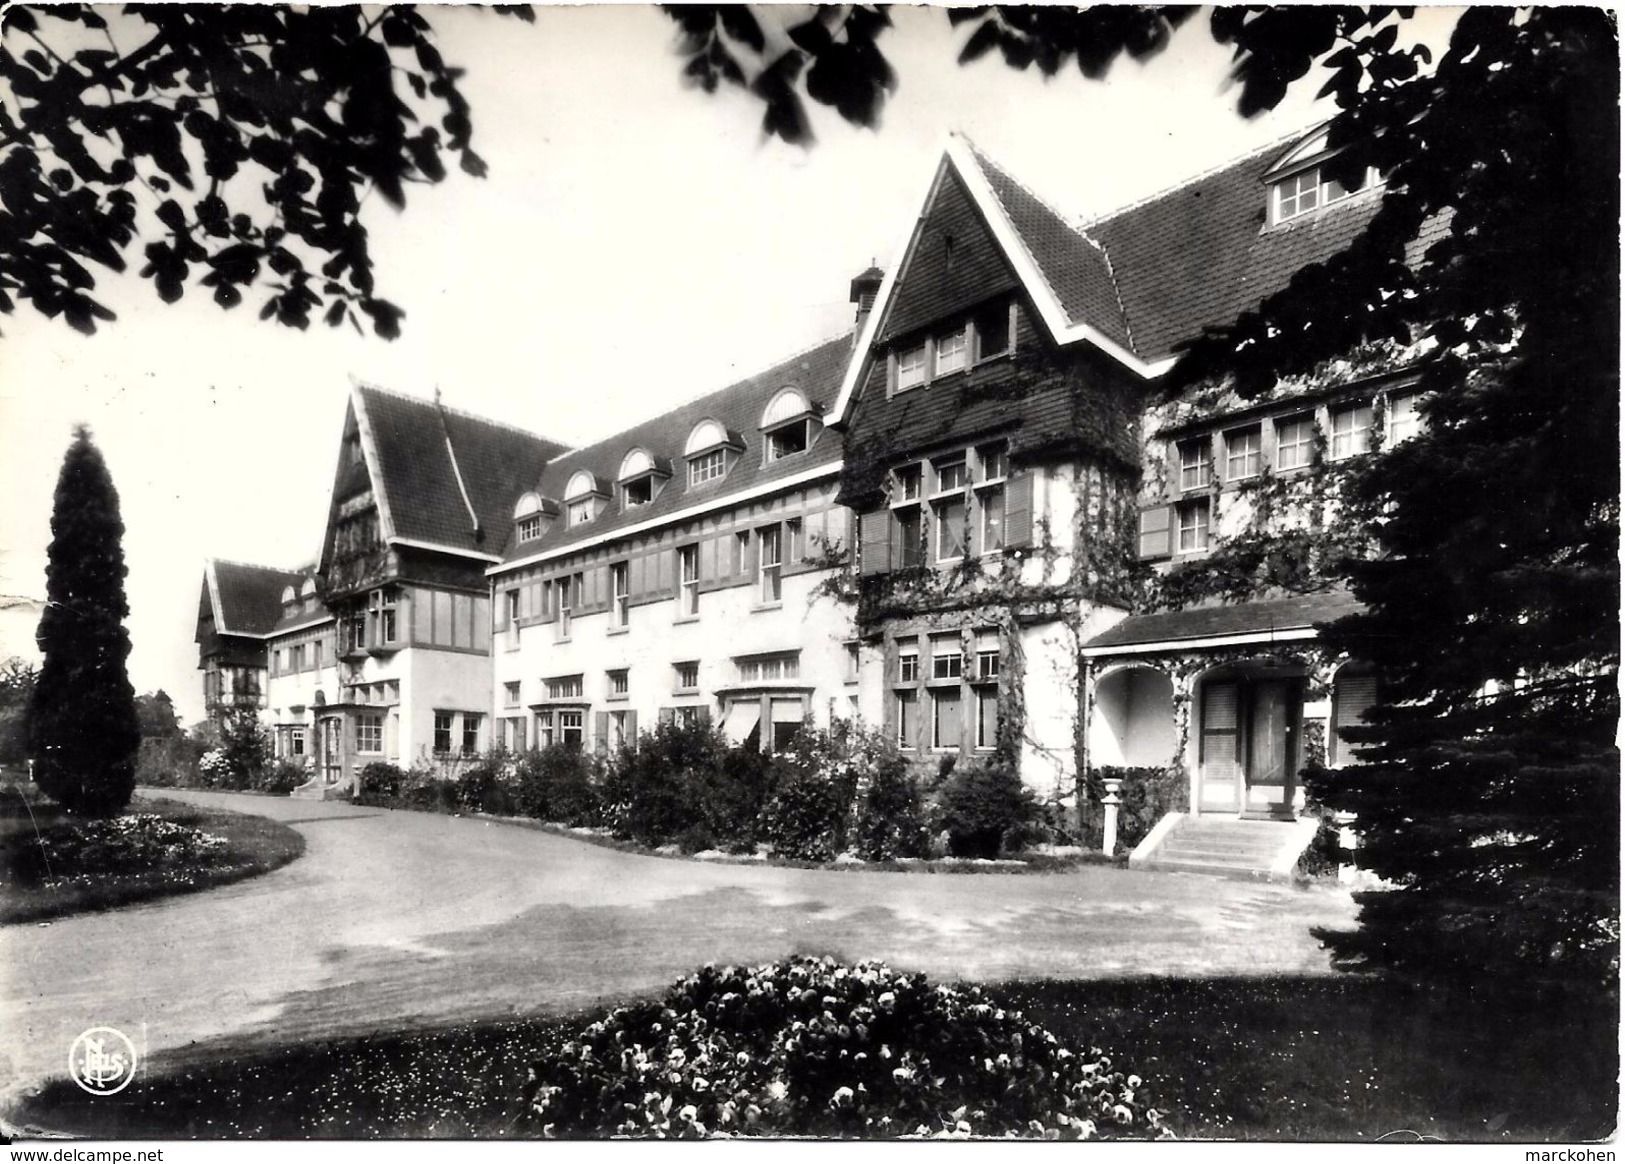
(953, 264)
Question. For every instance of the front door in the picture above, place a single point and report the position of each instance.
(332, 755)
(1272, 746)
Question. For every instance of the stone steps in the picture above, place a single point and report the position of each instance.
(1225, 846)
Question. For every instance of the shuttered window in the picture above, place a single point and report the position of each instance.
(1352, 696)
(1221, 756)
(1156, 527)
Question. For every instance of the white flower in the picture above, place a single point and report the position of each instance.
(841, 1098)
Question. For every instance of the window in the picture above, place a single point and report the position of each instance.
(530, 528)
(620, 610)
(947, 726)
(741, 551)
(564, 687)
(1294, 443)
(950, 514)
(987, 718)
(1195, 463)
(994, 461)
(618, 684)
(571, 732)
(853, 660)
(769, 548)
(355, 632)
(442, 731)
(992, 518)
(987, 655)
(947, 660)
(276, 662)
(1193, 526)
(619, 728)
(787, 441)
(1241, 453)
(909, 542)
(992, 327)
(581, 511)
(951, 352)
(911, 367)
(688, 676)
(707, 467)
(513, 734)
(908, 719)
(795, 548)
(1351, 431)
(568, 588)
(908, 661)
(510, 609)
(951, 475)
(688, 581)
(767, 668)
(1402, 421)
(908, 482)
(1304, 192)
(317, 663)
(636, 493)
(687, 716)
(471, 732)
(510, 695)
(369, 733)
(544, 729)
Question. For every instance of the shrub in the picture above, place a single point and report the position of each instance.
(483, 789)
(380, 784)
(282, 777)
(811, 815)
(556, 784)
(1148, 794)
(170, 762)
(657, 789)
(134, 843)
(982, 806)
(423, 789)
(891, 812)
(812, 1048)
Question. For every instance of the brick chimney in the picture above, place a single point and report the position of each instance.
(864, 289)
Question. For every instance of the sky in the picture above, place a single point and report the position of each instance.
(635, 244)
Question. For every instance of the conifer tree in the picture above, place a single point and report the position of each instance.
(83, 728)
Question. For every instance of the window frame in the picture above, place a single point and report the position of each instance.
(908, 376)
(1255, 454)
(955, 343)
(1201, 530)
(1306, 444)
(679, 670)
(770, 575)
(620, 591)
(1357, 437)
(700, 467)
(369, 725)
(688, 581)
(1195, 463)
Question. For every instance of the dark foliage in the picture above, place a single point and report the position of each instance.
(245, 749)
(482, 789)
(1147, 794)
(982, 805)
(380, 784)
(157, 715)
(17, 679)
(83, 731)
(280, 777)
(892, 820)
(170, 762)
(664, 787)
(236, 142)
(557, 784)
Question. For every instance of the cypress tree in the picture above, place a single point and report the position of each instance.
(83, 729)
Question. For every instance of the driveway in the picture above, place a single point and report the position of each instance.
(398, 919)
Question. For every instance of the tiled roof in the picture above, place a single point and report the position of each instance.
(737, 408)
(419, 483)
(247, 598)
(1278, 614)
(1199, 255)
(1077, 269)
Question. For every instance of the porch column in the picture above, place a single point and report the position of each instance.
(1184, 682)
(1317, 719)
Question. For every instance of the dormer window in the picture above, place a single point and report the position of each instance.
(1299, 184)
(788, 425)
(1306, 191)
(640, 478)
(992, 327)
(531, 516)
(710, 449)
(952, 350)
(582, 497)
(530, 528)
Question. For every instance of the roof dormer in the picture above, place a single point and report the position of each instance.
(790, 424)
(641, 478)
(711, 451)
(1298, 183)
(584, 497)
(533, 516)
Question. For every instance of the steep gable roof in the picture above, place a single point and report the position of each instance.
(1141, 281)
(246, 599)
(737, 409)
(445, 478)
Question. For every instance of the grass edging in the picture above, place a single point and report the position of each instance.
(254, 845)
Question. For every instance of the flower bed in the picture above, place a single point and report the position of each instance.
(66, 865)
(810, 1047)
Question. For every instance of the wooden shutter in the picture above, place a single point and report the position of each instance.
(708, 560)
(1220, 732)
(632, 727)
(1156, 532)
(705, 715)
(664, 563)
(666, 716)
(876, 538)
(600, 730)
(1352, 697)
(1018, 511)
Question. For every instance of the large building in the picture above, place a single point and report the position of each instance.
(981, 521)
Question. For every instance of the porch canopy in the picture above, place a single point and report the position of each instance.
(1276, 620)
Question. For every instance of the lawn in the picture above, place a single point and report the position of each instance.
(1340, 1059)
(212, 847)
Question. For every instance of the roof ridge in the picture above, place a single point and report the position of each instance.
(1111, 271)
(410, 398)
(1158, 195)
(695, 399)
(255, 565)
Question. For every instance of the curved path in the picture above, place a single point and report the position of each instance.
(398, 919)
